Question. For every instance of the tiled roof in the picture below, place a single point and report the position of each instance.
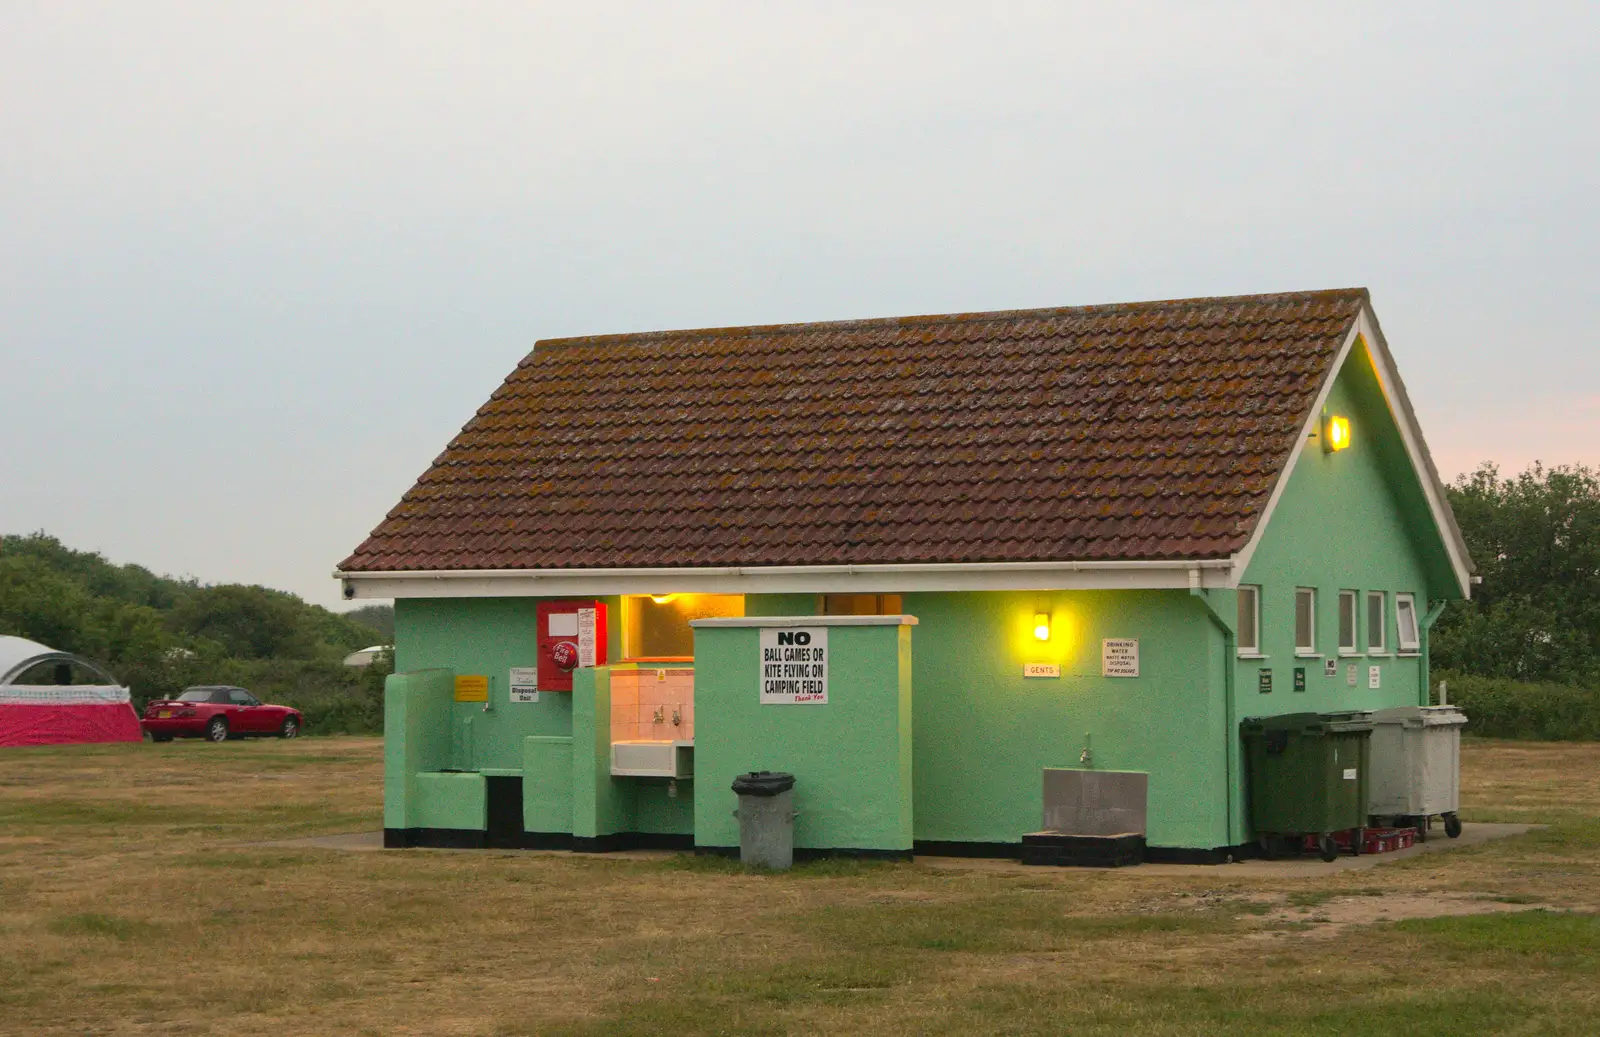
(1139, 431)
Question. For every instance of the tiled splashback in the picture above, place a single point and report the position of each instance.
(636, 695)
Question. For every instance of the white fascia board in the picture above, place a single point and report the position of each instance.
(797, 579)
(1394, 391)
(1365, 330)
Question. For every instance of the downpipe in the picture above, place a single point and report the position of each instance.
(1229, 665)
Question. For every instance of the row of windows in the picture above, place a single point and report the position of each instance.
(1350, 616)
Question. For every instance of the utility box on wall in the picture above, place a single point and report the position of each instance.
(571, 634)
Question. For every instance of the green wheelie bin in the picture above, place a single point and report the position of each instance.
(1308, 775)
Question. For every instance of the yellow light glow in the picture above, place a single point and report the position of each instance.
(662, 599)
(1041, 627)
(1337, 436)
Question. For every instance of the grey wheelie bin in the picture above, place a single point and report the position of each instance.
(1307, 776)
(766, 819)
(1416, 766)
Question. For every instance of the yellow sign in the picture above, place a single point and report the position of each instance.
(472, 688)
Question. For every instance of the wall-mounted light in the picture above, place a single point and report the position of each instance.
(662, 599)
(1335, 433)
(1041, 626)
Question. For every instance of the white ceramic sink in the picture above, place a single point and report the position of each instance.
(652, 758)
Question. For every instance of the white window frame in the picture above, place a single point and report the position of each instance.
(1309, 649)
(1382, 647)
(1353, 600)
(1251, 651)
(1413, 646)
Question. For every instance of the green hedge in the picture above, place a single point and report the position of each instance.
(1499, 708)
(336, 699)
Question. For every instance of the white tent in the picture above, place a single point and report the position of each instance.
(66, 698)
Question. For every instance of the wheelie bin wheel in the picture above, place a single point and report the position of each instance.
(1452, 826)
(1327, 847)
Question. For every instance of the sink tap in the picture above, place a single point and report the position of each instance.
(677, 714)
(661, 714)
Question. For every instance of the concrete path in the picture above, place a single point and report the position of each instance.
(1471, 835)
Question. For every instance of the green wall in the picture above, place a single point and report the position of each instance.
(983, 733)
(1352, 520)
(484, 636)
(851, 757)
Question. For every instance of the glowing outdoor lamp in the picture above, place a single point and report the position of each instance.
(1041, 626)
(662, 599)
(1336, 433)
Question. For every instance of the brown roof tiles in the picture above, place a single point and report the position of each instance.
(1140, 431)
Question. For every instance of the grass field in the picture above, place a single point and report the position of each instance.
(132, 901)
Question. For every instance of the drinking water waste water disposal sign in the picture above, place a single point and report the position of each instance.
(794, 666)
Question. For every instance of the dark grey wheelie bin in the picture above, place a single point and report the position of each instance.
(766, 819)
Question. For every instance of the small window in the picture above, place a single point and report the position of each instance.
(1347, 622)
(861, 605)
(1249, 627)
(1405, 622)
(655, 627)
(240, 697)
(1377, 627)
(1305, 620)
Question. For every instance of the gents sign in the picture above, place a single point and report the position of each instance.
(794, 665)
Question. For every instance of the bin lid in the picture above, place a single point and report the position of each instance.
(1421, 716)
(763, 783)
(1313, 725)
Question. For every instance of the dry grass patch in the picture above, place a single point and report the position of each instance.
(135, 898)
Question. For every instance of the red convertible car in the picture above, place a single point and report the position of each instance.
(217, 713)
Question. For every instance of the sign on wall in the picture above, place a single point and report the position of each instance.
(794, 666)
(1119, 657)
(524, 684)
(1264, 680)
(1041, 670)
(586, 637)
(1374, 677)
(472, 687)
(1350, 675)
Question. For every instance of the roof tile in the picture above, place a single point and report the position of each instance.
(1134, 431)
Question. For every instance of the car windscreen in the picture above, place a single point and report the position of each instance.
(196, 695)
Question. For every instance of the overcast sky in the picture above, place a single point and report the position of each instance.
(258, 262)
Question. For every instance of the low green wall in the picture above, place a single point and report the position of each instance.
(547, 783)
(851, 757)
(416, 738)
(449, 801)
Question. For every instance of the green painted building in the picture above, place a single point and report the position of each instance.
(915, 562)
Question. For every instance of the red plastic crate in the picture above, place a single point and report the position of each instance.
(1374, 840)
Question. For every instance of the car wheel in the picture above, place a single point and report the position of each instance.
(217, 730)
(1452, 826)
(291, 728)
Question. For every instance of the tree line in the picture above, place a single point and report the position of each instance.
(159, 635)
(1535, 539)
